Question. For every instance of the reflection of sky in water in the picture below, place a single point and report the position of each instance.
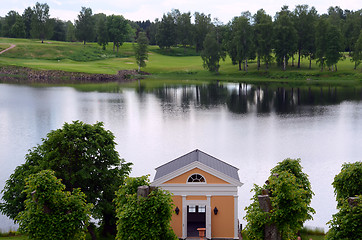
(249, 128)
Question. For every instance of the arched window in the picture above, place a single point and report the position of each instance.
(196, 178)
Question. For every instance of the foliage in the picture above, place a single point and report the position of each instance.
(212, 52)
(101, 30)
(41, 27)
(346, 224)
(84, 25)
(143, 217)
(321, 41)
(141, 49)
(263, 27)
(118, 30)
(166, 34)
(201, 28)
(52, 213)
(348, 182)
(290, 196)
(83, 156)
(357, 52)
(240, 40)
(285, 37)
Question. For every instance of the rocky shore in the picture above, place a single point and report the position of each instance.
(12, 74)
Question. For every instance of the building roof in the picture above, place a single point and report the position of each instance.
(201, 157)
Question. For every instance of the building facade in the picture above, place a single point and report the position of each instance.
(205, 195)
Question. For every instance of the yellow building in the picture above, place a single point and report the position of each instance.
(205, 195)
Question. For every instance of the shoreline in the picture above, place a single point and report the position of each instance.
(15, 74)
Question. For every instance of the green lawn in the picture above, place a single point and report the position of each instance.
(162, 64)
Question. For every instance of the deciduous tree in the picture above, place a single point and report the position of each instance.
(141, 50)
(201, 28)
(263, 33)
(143, 217)
(41, 27)
(83, 156)
(346, 223)
(285, 37)
(118, 30)
(52, 213)
(290, 196)
(84, 25)
(212, 52)
(166, 34)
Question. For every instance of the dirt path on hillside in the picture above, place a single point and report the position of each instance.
(12, 46)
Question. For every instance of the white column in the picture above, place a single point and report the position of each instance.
(208, 217)
(236, 222)
(184, 217)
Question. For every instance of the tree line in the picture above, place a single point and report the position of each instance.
(301, 32)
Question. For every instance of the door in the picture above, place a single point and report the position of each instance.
(196, 218)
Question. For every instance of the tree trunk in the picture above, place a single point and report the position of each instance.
(239, 65)
(299, 58)
(336, 67)
(258, 63)
(114, 46)
(310, 62)
(284, 63)
(246, 65)
(84, 42)
(91, 232)
(293, 61)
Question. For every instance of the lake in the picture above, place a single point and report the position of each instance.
(250, 127)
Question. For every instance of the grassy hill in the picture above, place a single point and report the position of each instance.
(175, 64)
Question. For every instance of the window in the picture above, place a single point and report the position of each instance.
(202, 209)
(196, 178)
(192, 208)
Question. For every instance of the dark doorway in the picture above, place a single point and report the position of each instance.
(196, 218)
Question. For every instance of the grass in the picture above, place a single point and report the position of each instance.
(175, 64)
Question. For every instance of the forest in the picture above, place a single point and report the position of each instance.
(284, 38)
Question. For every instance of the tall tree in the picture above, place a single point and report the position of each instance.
(41, 27)
(304, 22)
(321, 40)
(166, 34)
(27, 18)
(184, 29)
(334, 47)
(84, 25)
(212, 52)
(263, 29)
(285, 36)
(59, 30)
(357, 52)
(201, 28)
(70, 32)
(118, 30)
(101, 30)
(141, 49)
(242, 39)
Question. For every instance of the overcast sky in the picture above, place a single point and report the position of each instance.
(136, 10)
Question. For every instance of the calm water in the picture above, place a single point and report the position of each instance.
(249, 127)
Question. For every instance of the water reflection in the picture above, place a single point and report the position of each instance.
(243, 98)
